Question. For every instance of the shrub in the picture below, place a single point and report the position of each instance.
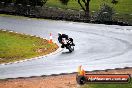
(104, 14)
(64, 2)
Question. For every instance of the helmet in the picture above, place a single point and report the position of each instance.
(59, 33)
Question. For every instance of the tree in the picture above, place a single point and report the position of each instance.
(114, 2)
(86, 3)
(85, 7)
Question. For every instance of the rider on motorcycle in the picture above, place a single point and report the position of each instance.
(60, 39)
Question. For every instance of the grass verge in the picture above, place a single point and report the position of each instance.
(121, 85)
(14, 47)
(123, 8)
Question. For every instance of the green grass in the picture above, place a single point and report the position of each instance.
(15, 47)
(5, 15)
(121, 85)
(123, 7)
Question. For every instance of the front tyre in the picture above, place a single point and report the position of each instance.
(71, 48)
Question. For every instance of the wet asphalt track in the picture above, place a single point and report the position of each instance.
(98, 47)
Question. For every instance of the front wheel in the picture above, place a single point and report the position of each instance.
(71, 48)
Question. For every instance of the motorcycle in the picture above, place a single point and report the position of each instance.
(68, 44)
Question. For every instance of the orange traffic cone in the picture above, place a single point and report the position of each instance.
(50, 40)
(81, 71)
